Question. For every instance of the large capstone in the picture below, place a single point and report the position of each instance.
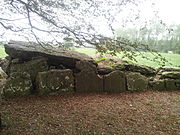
(56, 56)
(18, 84)
(55, 81)
(114, 82)
(136, 81)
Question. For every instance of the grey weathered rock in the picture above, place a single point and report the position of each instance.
(32, 67)
(172, 84)
(3, 77)
(85, 66)
(115, 82)
(103, 70)
(158, 85)
(4, 63)
(170, 74)
(25, 51)
(87, 79)
(88, 82)
(168, 69)
(144, 70)
(136, 81)
(18, 84)
(55, 80)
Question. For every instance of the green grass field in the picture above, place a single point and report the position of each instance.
(174, 59)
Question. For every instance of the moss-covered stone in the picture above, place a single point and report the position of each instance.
(88, 82)
(18, 84)
(136, 81)
(115, 82)
(55, 80)
(144, 70)
(104, 70)
(3, 75)
(32, 67)
(171, 75)
(86, 66)
(168, 69)
(172, 84)
(158, 85)
(4, 64)
(2, 82)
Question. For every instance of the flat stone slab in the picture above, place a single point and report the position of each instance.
(18, 84)
(55, 55)
(144, 70)
(158, 85)
(136, 81)
(172, 84)
(171, 75)
(168, 69)
(31, 67)
(88, 82)
(55, 81)
(114, 82)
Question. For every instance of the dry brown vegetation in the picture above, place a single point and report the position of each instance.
(138, 113)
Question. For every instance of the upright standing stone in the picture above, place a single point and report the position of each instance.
(172, 84)
(3, 77)
(18, 84)
(158, 84)
(87, 80)
(136, 81)
(32, 67)
(115, 82)
(55, 81)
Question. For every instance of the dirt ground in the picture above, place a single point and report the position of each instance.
(138, 113)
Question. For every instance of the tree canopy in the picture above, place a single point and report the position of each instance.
(51, 21)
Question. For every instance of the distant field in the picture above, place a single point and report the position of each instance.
(174, 59)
